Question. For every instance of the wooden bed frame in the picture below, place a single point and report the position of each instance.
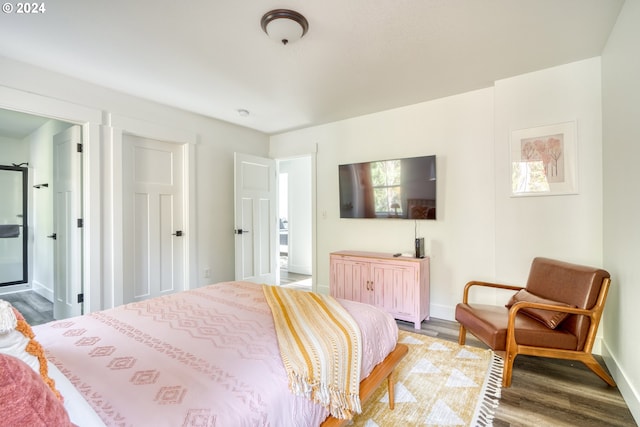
(382, 371)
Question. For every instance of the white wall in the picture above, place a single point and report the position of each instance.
(12, 150)
(621, 135)
(459, 130)
(216, 143)
(567, 227)
(481, 232)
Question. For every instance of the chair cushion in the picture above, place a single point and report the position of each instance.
(551, 319)
(489, 324)
(573, 284)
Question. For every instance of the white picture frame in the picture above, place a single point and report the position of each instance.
(544, 160)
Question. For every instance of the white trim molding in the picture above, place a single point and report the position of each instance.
(90, 120)
(115, 127)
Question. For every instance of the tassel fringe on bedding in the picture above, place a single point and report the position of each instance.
(320, 346)
(8, 320)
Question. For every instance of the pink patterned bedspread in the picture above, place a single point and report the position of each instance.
(204, 357)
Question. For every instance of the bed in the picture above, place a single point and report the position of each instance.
(205, 357)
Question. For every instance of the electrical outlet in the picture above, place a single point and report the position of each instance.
(207, 273)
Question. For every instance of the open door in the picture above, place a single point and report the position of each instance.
(67, 213)
(255, 219)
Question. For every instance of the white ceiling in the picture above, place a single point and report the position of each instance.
(359, 56)
(18, 125)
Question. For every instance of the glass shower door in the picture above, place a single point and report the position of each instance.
(13, 225)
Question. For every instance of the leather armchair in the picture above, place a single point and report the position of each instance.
(556, 315)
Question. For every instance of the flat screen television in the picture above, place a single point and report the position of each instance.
(398, 188)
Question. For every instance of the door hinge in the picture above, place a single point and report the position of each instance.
(80, 298)
(80, 223)
(79, 148)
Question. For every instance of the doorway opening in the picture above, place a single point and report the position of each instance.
(295, 222)
(31, 144)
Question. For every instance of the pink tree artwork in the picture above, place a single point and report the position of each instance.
(546, 149)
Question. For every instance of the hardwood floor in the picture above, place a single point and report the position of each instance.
(544, 392)
(35, 308)
(296, 281)
(292, 280)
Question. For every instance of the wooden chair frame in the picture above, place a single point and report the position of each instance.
(512, 348)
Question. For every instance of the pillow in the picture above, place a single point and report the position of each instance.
(17, 340)
(549, 318)
(26, 399)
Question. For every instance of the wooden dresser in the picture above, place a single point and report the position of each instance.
(398, 285)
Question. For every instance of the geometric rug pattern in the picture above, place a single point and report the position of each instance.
(438, 383)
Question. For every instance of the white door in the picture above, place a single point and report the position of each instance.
(255, 219)
(154, 244)
(67, 212)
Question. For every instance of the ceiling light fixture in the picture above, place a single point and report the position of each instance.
(284, 25)
(242, 112)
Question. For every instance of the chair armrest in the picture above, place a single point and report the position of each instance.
(465, 297)
(513, 311)
(594, 314)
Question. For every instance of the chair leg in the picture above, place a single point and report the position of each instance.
(462, 335)
(507, 371)
(593, 364)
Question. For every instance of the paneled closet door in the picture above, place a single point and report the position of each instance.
(154, 250)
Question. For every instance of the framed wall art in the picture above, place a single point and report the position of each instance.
(544, 160)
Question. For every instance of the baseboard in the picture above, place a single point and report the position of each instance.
(322, 289)
(9, 289)
(299, 269)
(41, 290)
(630, 395)
(443, 312)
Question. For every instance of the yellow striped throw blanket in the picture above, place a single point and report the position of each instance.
(320, 346)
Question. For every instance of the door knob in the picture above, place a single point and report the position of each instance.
(240, 231)
(53, 236)
(177, 233)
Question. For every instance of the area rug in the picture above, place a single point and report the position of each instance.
(438, 383)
